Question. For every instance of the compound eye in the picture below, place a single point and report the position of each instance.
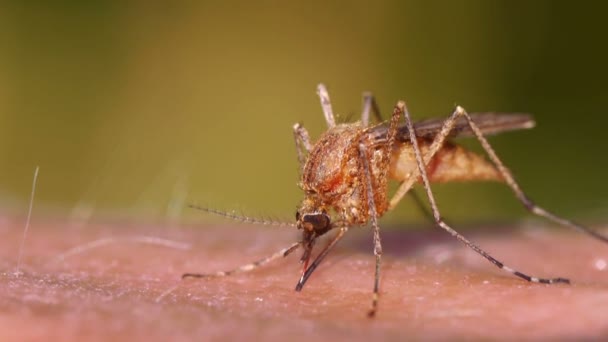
(298, 215)
(319, 222)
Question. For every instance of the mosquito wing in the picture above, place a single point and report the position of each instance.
(489, 123)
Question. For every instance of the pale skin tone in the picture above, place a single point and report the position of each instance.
(432, 286)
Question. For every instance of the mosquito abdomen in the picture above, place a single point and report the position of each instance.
(451, 163)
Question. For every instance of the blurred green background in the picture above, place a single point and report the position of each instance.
(135, 109)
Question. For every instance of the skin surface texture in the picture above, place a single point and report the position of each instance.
(432, 286)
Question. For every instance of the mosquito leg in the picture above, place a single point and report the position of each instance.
(391, 136)
(374, 220)
(248, 267)
(320, 258)
(437, 144)
(326, 105)
(420, 204)
(302, 140)
(521, 196)
(369, 105)
(371, 203)
(406, 188)
(403, 189)
(439, 221)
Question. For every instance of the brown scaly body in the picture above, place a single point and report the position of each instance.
(331, 177)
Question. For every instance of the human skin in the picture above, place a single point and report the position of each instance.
(432, 286)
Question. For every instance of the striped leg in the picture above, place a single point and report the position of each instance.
(521, 196)
(439, 221)
(370, 191)
(374, 218)
(248, 267)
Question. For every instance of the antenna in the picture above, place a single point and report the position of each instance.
(243, 218)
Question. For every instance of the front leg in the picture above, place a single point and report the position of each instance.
(303, 146)
(373, 214)
(368, 185)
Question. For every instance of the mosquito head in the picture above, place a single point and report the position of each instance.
(313, 221)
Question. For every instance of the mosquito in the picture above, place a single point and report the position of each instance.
(345, 174)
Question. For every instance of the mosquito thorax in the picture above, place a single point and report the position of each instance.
(332, 164)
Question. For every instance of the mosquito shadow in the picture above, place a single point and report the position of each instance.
(397, 241)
